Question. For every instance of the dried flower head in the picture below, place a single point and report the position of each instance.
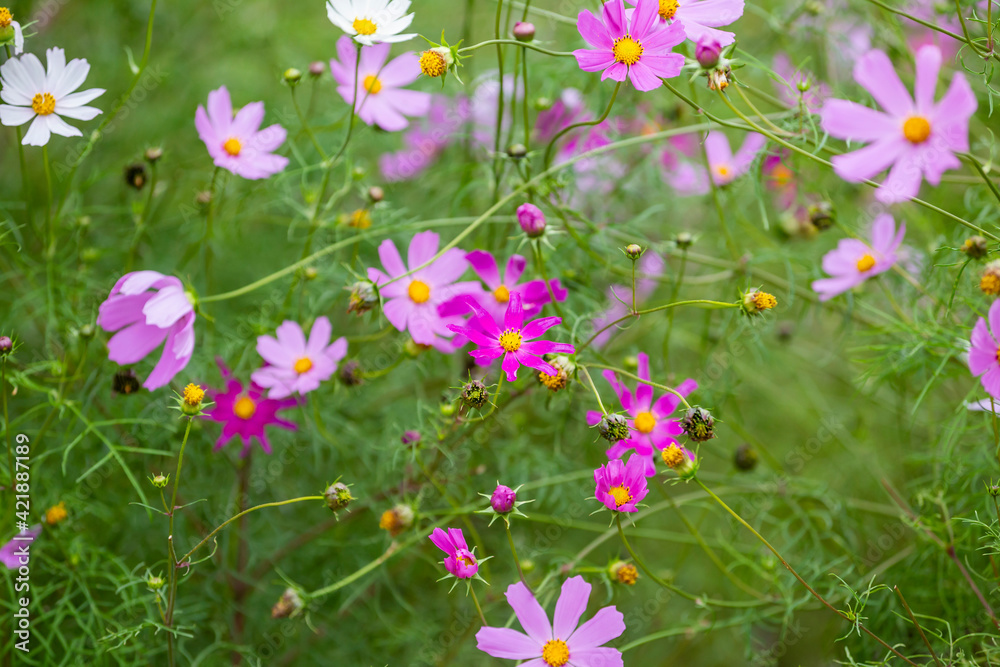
(396, 520)
(976, 247)
(288, 605)
(698, 424)
(613, 428)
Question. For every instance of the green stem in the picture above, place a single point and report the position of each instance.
(305, 123)
(475, 600)
(6, 427)
(537, 245)
(705, 303)
(593, 387)
(354, 103)
(499, 120)
(527, 45)
(513, 551)
(171, 555)
(548, 149)
(662, 387)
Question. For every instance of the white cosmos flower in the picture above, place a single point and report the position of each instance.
(11, 28)
(371, 21)
(32, 94)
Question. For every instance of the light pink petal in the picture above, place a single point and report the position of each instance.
(643, 78)
(122, 309)
(274, 352)
(994, 317)
(422, 248)
(663, 66)
(571, 605)
(604, 656)
(875, 72)
(849, 120)
(401, 71)
(529, 612)
(514, 270)
(220, 110)
(594, 61)
(616, 72)
(644, 18)
(928, 66)
(290, 335)
(614, 18)
(391, 261)
(248, 120)
(605, 625)
(507, 643)
(133, 343)
(714, 13)
(319, 337)
(904, 180)
(866, 162)
(168, 306)
(397, 311)
(717, 149)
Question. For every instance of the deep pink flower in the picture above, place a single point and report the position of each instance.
(237, 144)
(148, 308)
(564, 641)
(650, 422)
(621, 485)
(12, 552)
(515, 342)
(413, 303)
(295, 365)
(531, 219)
(852, 262)
(788, 88)
(985, 352)
(381, 98)
(630, 46)
(460, 561)
(534, 293)
(917, 138)
(246, 413)
(701, 17)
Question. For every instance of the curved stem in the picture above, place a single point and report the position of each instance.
(527, 45)
(537, 245)
(593, 388)
(663, 387)
(552, 142)
(354, 104)
(705, 303)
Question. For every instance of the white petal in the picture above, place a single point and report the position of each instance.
(58, 126)
(78, 99)
(73, 77)
(16, 77)
(13, 116)
(38, 134)
(18, 38)
(55, 58)
(34, 72)
(78, 113)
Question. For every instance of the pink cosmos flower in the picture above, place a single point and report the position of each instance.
(148, 308)
(788, 88)
(294, 364)
(985, 352)
(460, 562)
(564, 641)
(780, 179)
(515, 342)
(917, 138)
(724, 167)
(621, 485)
(630, 45)
(534, 293)
(381, 98)
(650, 423)
(237, 144)
(12, 553)
(701, 17)
(852, 262)
(413, 303)
(246, 413)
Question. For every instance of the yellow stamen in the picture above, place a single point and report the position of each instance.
(5, 18)
(372, 84)
(764, 301)
(866, 263)
(552, 382)
(916, 129)
(627, 574)
(645, 422)
(232, 146)
(722, 170)
(668, 9)
(502, 294)
(990, 284)
(555, 653)
(468, 561)
(433, 63)
(627, 50)
(244, 408)
(672, 456)
(193, 394)
(620, 494)
(510, 340)
(303, 365)
(364, 27)
(419, 291)
(55, 514)
(43, 104)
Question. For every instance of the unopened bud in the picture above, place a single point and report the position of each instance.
(633, 251)
(524, 32)
(288, 605)
(531, 219)
(338, 496)
(707, 52)
(316, 69)
(135, 175)
(474, 394)
(517, 151)
(613, 428)
(376, 194)
(976, 247)
(153, 154)
(698, 424)
(292, 76)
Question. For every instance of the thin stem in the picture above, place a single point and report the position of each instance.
(706, 303)
(527, 45)
(354, 104)
(674, 291)
(593, 387)
(513, 551)
(619, 371)
(499, 120)
(982, 172)
(917, 626)
(548, 149)
(171, 556)
(6, 426)
(305, 122)
(475, 600)
(537, 245)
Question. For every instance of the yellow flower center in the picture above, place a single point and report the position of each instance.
(781, 175)
(372, 84)
(620, 494)
(364, 27)
(552, 382)
(645, 422)
(5, 18)
(502, 294)
(764, 301)
(389, 521)
(54, 515)
(916, 129)
(627, 50)
(555, 653)
(990, 284)
(43, 104)
(865, 263)
(433, 63)
(998, 354)
(303, 365)
(360, 219)
(627, 574)
(672, 456)
(668, 9)
(419, 291)
(468, 561)
(232, 146)
(244, 408)
(510, 340)
(193, 394)
(722, 170)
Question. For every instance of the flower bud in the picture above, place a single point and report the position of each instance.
(6, 346)
(698, 424)
(613, 428)
(376, 194)
(543, 103)
(153, 154)
(821, 215)
(125, 382)
(159, 481)
(623, 573)
(523, 31)
(975, 247)
(338, 496)
(203, 198)
(310, 273)
(517, 151)
(288, 606)
(316, 69)
(292, 76)
(745, 457)
(411, 438)
(87, 331)
(135, 175)
(396, 520)
(191, 399)
(350, 373)
(56, 514)
(474, 394)
(446, 408)
(707, 52)
(633, 251)
(154, 582)
(993, 490)
(989, 281)
(363, 297)
(435, 62)
(531, 219)
(754, 302)
(684, 240)
(502, 500)
(413, 348)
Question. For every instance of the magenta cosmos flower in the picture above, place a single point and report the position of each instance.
(564, 641)
(534, 293)
(515, 342)
(852, 262)
(460, 561)
(413, 303)
(621, 485)
(630, 46)
(147, 308)
(650, 424)
(16, 553)
(701, 17)
(297, 365)
(381, 99)
(237, 144)
(246, 413)
(984, 355)
(917, 138)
